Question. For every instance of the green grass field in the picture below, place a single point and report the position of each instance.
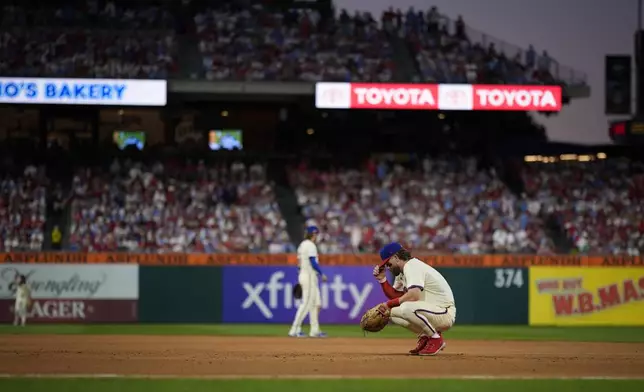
(579, 334)
(572, 334)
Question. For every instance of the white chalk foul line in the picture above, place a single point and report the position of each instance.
(307, 377)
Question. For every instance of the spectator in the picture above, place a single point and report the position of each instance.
(460, 28)
(544, 62)
(530, 57)
(56, 238)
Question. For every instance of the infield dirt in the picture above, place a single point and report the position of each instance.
(202, 356)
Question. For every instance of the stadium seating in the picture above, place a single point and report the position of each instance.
(599, 204)
(23, 208)
(448, 206)
(119, 39)
(85, 39)
(448, 52)
(171, 207)
(261, 44)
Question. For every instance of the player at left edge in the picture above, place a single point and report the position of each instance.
(23, 300)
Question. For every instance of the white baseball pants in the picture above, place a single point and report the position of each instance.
(20, 312)
(311, 302)
(423, 318)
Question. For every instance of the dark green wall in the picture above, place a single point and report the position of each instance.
(489, 295)
(191, 294)
(170, 294)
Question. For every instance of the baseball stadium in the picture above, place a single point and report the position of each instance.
(318, 195)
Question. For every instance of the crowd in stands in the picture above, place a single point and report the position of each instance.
(443, 206)
(23, 208)
(301, 45)
(440, 206)
(176, 207)
(118, 39)
(598, 204)
(89, 38)
(445, 52)
(261, 44)
(450, 206)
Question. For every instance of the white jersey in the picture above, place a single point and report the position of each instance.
(23, 293)
(306, 250)
(435, 288)
(399, 283)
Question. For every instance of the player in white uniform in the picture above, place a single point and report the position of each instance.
(23, 300)
(309, 270)
(421, 300)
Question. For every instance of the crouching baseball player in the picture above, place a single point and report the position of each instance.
(420, 300)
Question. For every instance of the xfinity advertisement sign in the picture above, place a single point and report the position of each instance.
(265, 294)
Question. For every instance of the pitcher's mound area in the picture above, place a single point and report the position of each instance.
(203, 356)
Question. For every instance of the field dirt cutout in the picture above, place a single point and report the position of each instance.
(204, 356)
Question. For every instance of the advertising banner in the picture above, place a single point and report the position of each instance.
(74, 311)
(586, 296)
(73, 293)
(120, 92)
(437, 96)
(281, 259)
(72, 281)
(264, 294)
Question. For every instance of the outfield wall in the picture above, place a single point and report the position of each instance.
(263, 294)
(180, 294)
(497, 290)
(73, 293)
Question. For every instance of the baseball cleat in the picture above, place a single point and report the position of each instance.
(433, 347)
(422, 342)
(297, 335)
(318, 335)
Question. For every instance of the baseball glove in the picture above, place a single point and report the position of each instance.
(297, 291)
(375, 319)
